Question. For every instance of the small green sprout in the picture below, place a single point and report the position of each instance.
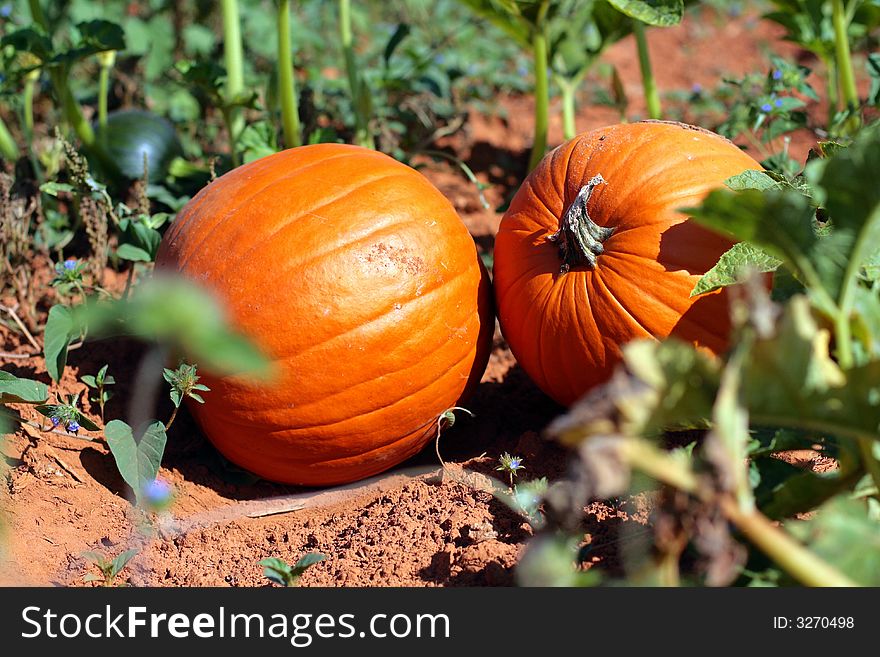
(99, 382)
(510, 464)
(184, 383)
(110, 568)
(282, 573)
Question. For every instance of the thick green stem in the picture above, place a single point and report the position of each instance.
(30, 81)
(793, 557)
(833, 97)
(106, 60)
(652, 98)
(789, 554)
(37, 15)
(844, 61)
(542, 96)
(234, 58)
(286, 83)
(229, 121)
(580, 239)
(359, 98)
(8, 147)
(567, 87)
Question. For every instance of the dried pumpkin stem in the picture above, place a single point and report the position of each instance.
(580, 238)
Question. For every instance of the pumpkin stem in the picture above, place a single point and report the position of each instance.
(580, 238)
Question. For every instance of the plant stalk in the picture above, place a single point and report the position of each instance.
(8, 147)
(542, 93)
(362, 135)
(567, 87)
(233, 58)
(788, 553)
(652, 97)
(106, 60)
(793, 557)
(30, 82)
(286, 83)
(845, 71)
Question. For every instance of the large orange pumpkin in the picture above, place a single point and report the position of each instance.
(593, 251)
(356, 276)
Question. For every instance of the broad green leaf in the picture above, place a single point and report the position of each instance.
(661, 13)
(751, 179)
(506, 15)
(139, 241)
(785, 490)
(14, 390)
(138, 460)
(852, 199)
(60, 330)
(31, 40)
(672, 386)
(842, 534)
(809, 390)
(781, 223)
(177, 313)
(741, 257)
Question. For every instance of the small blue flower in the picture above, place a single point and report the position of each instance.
(73, 426)
(522, 71)
(439, 59)
(777, 74)
(777, 102)
(70, 265)
(157, 493)
(697, 89)
(515, 463)
(6, 11)
(766, 107)
(55, 421)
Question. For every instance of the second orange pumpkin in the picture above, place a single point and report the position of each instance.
(593, 251)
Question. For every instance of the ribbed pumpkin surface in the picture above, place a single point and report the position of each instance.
(566, 329)
(360, 281)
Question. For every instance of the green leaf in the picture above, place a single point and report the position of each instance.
(277, 570)
(403, 29)
(751, 179)
(60, 330)
(53, 188)
(307, 560)
(809, 389)
(89, 380)
(14, 390)
(741, 257)
(873, 65)
(671, 386)
(661, 13)
(29, 40)
(181, 315)
(780, 222)
(139, 241)
(786, 490)
(120, 561)
(138, 461)
(843, 535)
(852, 198)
